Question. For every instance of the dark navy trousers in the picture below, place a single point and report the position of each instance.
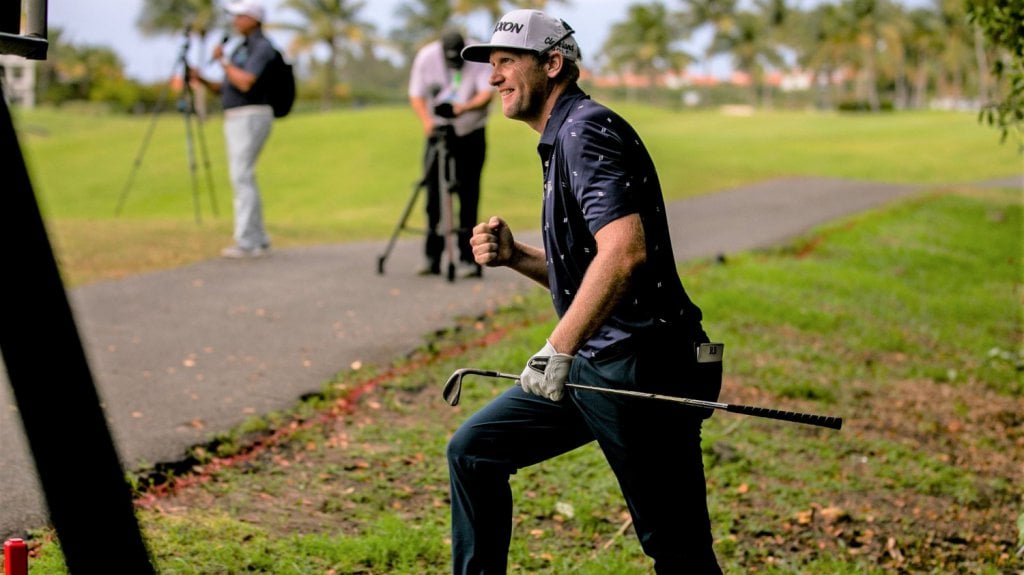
(652, 446)
(469, 153)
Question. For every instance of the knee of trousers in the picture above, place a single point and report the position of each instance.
(459, 451)
(465, 457)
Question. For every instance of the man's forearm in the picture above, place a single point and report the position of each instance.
(620, 251)
(238, 77)
(529, 261)
(419, 106)
(602, 289)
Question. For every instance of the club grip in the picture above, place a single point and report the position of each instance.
(808, 418)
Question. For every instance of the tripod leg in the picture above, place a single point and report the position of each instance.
(430, 158)
(206, 163)
(399, 227)
(446, 173)
(191, 161)
(161, 103)
(422, 183)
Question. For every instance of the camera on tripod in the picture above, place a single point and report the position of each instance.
(444, 110)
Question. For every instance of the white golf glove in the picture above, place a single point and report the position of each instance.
(546, 373)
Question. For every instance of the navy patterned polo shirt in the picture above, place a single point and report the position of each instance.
(596, 170)
(253, 56)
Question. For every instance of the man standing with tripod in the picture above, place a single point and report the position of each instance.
(451, 96)
(247, 121)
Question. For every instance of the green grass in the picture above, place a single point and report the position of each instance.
(346, 175)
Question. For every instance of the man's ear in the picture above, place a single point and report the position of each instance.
(554, 64)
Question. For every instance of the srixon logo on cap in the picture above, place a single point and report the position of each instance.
(503, 26)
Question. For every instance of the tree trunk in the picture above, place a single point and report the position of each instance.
(330, 72)
(984, 93)
(920, 88)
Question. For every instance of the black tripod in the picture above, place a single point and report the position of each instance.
(437, 153)
(187, 107)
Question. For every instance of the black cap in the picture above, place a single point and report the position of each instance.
(452, 43)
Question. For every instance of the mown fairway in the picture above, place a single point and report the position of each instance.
(347, 175)
(906, 322)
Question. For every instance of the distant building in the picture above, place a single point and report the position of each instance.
(18, 76)
(791, 81)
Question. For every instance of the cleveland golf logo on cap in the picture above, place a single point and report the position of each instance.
(559, 43)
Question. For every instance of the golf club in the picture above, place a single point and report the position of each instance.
(453, 390)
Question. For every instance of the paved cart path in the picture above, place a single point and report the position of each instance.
(183, 354)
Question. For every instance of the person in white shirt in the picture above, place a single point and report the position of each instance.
(451, 98)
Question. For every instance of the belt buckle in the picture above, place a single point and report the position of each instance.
(710, 352)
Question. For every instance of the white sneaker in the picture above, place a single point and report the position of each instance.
(238, 252)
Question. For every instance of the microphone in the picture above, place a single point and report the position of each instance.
(223, 41)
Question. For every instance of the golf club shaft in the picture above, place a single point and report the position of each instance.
(768, 413)
(808, 418)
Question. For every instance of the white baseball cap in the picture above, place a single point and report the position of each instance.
(248, 8)
(530, 30)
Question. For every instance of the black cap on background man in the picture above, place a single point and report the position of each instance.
(452, 43)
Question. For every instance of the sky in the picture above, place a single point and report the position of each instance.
(111, 23)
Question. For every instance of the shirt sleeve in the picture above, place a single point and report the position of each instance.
(598, 173)
(417, 76)
(261, 56)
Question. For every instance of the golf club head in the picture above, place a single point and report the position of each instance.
(453, 388)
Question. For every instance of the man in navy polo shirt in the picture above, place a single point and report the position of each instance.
(625, 322)
(247, 121)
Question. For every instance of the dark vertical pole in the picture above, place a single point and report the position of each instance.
(80, 471)
(36, 18)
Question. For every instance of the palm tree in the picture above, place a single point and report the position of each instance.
(496, 8)
(172, 16)
(848, 37)
(822, 48)
(866, 19)
(645, 43)
(421, 21)
(333, 24)
(160, 17)
(924, 40)
(777, 17)
(957, 57)
(717, 15)
(892, 52)
(82, 72)
(751, 47)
